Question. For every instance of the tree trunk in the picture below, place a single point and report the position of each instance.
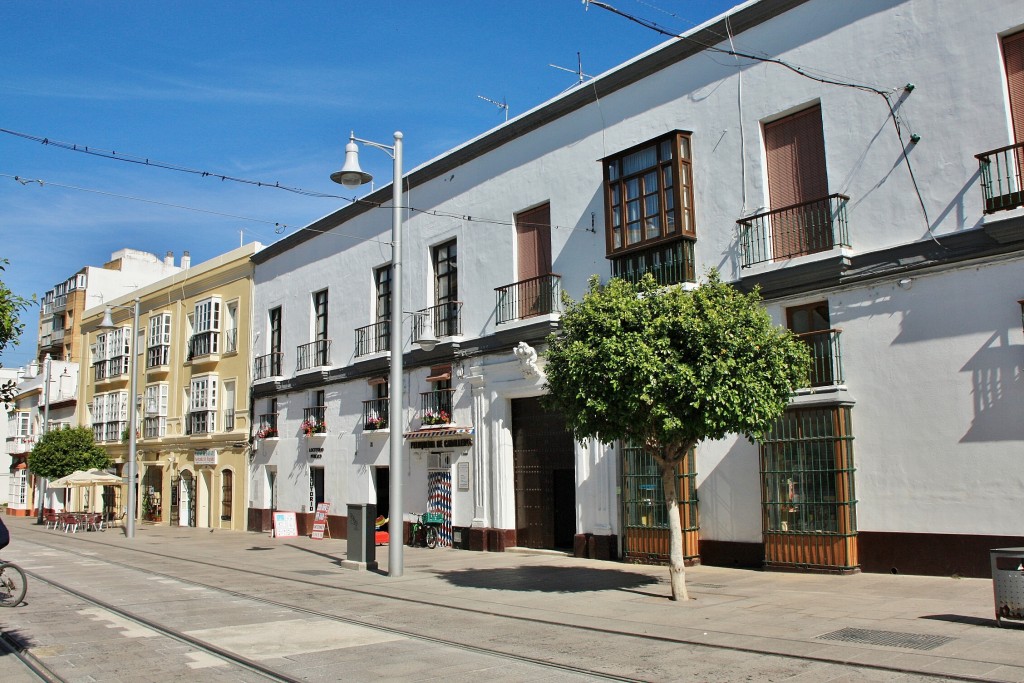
(668, 461)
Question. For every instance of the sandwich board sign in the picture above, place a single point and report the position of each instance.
(284, 525)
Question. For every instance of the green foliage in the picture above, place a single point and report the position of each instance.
(11, 326)
(60, 452)
(668, 368)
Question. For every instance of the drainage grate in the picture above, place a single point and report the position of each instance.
(914, 641)
(706, 585)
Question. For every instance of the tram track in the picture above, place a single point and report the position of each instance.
(447, 642)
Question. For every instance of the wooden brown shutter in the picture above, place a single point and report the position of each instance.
(1013, 56)
(795, 148)
(533, 239)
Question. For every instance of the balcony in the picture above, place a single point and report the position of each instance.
(314, 421)
(436, 407)
(20, 444)
(797, 230)
(201, 422)
(231, 340)
(204, 345)
(268, 426)
(314, 354)
(267, 366)
(1002, 177)
(375, 414)
(669, 265)
(154, 427)
(446, 319)
(157, 357)
(60, 303)
(57, 336)
(539, 295)
(826, 357)
(375, 338)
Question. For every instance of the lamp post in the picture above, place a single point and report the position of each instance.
(108, 324)
(352, 176)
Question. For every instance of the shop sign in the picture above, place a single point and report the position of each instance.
(316, 452)
(206, 456)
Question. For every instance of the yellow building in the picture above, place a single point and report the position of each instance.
(191, 355)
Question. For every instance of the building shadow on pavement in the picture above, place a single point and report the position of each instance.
(546, 579)
(973, 621)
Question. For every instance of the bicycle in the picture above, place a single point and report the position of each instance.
(426, 526)
(13, 584)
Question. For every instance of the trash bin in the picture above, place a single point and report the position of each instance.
(1008, 583)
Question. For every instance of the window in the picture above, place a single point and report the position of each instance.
(155, 407)
(19, 487)
(649, 193)
(1013, 59)
(226, 492)
(314, 417)
(807, 489)
(111, 353)
(231, 329)
(158, 341)
(229, 405)
(318, 352)
(203, 404)
(382, 281)
(109, 415)
(437, 403)
(810, 323)
(446, 290)
(20, 423)
(205, 338)
(275, 341)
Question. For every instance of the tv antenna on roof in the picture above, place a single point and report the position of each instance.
(579, 71)
(499, 105)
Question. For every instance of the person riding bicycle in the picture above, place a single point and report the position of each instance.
(5, 536)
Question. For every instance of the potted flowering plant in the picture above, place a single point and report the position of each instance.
(267, 433)
(311, 427)
(436, 417)
(376, 422)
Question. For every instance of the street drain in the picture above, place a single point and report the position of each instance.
(914, 641)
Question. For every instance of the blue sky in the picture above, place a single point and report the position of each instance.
(260, 90)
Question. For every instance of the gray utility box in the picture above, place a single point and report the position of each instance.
(361, 527)
(1008, 583)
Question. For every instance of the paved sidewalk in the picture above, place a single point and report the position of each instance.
(927, 625)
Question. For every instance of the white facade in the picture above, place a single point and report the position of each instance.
(924, 291)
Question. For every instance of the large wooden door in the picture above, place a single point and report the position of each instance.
(545, 477)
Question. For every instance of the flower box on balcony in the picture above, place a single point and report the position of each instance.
(375, 423)
(436, 418)
(267, 433)
(313, 428)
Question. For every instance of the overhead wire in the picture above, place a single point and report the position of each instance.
(146, 161)
(800, 71)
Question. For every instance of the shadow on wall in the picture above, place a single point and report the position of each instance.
(730, 494)
(541, 579)
(997, 388)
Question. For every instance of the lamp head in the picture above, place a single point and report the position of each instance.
(108, 321)
(350, 174)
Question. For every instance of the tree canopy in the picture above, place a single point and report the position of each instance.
(11, 326)
(60, 452)
(664, 368)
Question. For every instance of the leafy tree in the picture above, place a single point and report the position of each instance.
(11, 327)
(60, 452)
(664, 369)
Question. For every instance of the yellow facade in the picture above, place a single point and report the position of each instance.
(191, 355)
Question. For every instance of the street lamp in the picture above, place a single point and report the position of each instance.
(108, 324)
(352, 176)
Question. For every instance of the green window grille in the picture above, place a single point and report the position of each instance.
(645, 536)
(808, 489)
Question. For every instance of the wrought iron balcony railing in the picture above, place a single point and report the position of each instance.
(1002, 177)
(539, 295)
(267, 366)
(797, 230)
(436, 406)
(231, 340)
(826, 357)
(375, 414)
(268, 426)
(446, 319)
(229, 420)
(314, 354)
(373, 338)
(314, 420)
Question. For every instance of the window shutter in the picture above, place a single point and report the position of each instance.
(533, 239)
(1013, 56)
(795, 149)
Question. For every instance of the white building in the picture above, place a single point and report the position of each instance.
(32, 409)
(831, 153)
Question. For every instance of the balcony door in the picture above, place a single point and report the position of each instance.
(795, 150)
(533, 247)
(811, 323)
(1013, 58)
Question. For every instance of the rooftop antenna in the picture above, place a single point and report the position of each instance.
(579, 70)
(499, 105)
